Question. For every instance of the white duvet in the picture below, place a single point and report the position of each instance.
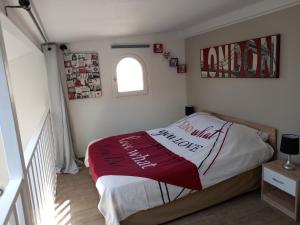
(218, 148)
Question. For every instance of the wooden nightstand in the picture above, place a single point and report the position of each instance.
(280, 188)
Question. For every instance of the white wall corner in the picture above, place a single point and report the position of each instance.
(249, 12)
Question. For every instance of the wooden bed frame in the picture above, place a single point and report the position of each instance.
(216, 194)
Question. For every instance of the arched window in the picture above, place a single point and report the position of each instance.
(130, 76)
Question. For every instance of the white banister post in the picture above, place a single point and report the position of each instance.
(10, 130)
(25, 197)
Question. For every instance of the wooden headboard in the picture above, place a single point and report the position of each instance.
(272, 132)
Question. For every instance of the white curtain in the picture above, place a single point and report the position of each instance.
(65, 157)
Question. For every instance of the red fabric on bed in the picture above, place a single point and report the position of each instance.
(137, 154)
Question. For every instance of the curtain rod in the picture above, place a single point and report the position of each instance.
(25, 4)
(131, 46)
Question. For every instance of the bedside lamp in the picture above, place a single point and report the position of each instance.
(189, 109)
(289, 145)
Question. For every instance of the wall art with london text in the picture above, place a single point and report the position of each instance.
(255, 58)
(82, 75)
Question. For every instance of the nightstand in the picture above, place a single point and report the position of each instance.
(280, 188)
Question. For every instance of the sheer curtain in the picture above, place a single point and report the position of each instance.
(65, 157)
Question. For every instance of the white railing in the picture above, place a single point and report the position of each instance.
(32, 199)
(11, 203)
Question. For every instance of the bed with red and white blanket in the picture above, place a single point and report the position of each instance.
(142, 170)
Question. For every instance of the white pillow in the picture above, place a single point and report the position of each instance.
(263, 135)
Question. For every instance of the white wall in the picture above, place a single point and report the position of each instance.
(30, 32)
(107, 115)
(28, 80)
(3, 165)
(274, 102)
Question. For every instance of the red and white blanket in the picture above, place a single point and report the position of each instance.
(141, 170)
(139, 155)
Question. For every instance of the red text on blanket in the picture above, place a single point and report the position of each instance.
(206, 133)
(134, 154)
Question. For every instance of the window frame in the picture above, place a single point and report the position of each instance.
(145, 77)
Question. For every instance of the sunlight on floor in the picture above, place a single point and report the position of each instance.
(77, 200)
(63, 213)
(47, 213)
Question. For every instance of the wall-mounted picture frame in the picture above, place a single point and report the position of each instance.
(173, 62)
(181, 68)
(254, 58)
(166, 55)
(158, 48)
(82, 75)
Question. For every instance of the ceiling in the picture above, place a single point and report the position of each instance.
(74, 20)
(69, 20)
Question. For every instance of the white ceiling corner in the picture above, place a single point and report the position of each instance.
(76, 20)
(246, 13)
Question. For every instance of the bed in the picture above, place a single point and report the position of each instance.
(128, 199)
